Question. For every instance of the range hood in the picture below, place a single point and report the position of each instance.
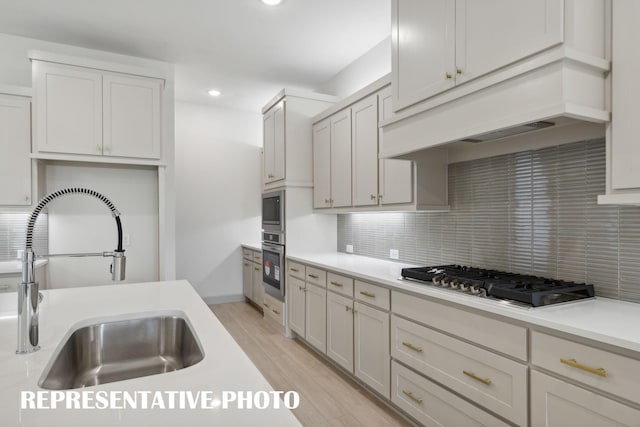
(550, 96)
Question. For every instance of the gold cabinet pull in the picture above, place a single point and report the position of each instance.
(458, 70)
(379, 196)
(275, 311)
(246, 264)
(368, 294)
(347, 308)
(256, 268)
(107, 149)
(485, 381)
(412, 347)
(412, 397)
(295, 270)
(338, 284)
(447, 76)
(313, 276)
(373, 197)
(265, 304)
(270, 176)
(596, 371)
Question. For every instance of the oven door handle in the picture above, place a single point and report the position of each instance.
(275, 248)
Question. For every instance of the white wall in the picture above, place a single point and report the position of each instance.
(364, 70)
(15, 69)
(218, 204)
(80, 223)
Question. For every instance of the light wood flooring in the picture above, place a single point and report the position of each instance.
(328, 397)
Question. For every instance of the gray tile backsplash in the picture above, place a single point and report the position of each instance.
(532, 212)
(13, 233)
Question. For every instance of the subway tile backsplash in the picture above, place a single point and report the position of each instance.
(13, 233)
(532, 212)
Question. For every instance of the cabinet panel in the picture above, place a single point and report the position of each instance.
(340, 330)
(341, 159)
(131, 116)
(365, 151)
(371, 348)
(555, 403)
(432, 405)
(340, 284)
(258, 290)
(494, 33)
(422, 48)
(296, 269)
(279, 143)
(268, 140)
(322, 165)
(68, 109)
(247, 279)
(373, 294)
(273, 309)
(15, 140)
(316, 317)
(316, 276)
(296, 305)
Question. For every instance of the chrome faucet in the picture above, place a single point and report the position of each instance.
(29, 296)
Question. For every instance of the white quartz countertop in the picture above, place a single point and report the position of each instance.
(253, 246)
(15, 267)
(605, 320)
(225, 366)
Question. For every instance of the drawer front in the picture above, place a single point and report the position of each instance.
(340, 284)
(493, 381)
(432, 405)
(247, 254)
(558, 403)
(613, 373)
(257, 257)
(316, 276)
(273, 309)
(373, 294)
(296, 269)
(485, 331)
(10, 283)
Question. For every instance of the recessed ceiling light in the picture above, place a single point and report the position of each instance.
(272, 2)
(214, 92)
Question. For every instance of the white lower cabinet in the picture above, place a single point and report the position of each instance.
(247, 278)
(252, 276)
(556, 403)
(316, 317)
(296, 305)
(371, 348)
(258, 289)
(433, 405)
(340, 330)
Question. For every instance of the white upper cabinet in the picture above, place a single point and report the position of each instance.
(15, 143)
(84, 111)
(131, 116)
(423, 52)
(493, 33)
(341, 159)
(322, 165)
(274, 143)
(365, 151)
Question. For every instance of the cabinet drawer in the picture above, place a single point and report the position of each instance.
(257, 257)
(619, 375)
(340, 284)
(491, 333)
(493, 381)
(316, 276)
(431, 404)
(557, 403)
(296, 269)
(273, 309)
(9, 283)
(247, 254)
(372, 294)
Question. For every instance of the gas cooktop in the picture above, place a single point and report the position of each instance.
(532, 291)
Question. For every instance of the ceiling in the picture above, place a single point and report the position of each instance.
(246, 49)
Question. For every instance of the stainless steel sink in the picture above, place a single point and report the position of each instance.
(124, 349)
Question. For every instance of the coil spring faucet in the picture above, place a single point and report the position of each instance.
(29, 296)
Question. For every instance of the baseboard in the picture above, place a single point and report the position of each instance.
(223, 299)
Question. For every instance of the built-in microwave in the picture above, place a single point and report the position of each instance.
(273, 211)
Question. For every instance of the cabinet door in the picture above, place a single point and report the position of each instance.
(371, 343)
(68, 109)
(493, 33)
(247, 279)
(274, 143)
(15, 143)
(555, 403)
(316, 317)
(396, 176)
(296, 305)
(340, 330)
(132, 119)
(341, 159)
(322, 165)
(422, 49)
(364, 142)
(258, 290)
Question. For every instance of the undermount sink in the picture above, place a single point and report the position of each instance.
(124, 349)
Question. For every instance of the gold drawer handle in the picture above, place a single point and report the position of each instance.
(271, 176)
(265, 304)
(256, 268)
(412, 397)
(4, 287)
(246, 264)
(313, 276)
(295, 270)
(412, 347)
(485, 381)
(596, 371)
(275, 311)
(368, 294)
(337, 284)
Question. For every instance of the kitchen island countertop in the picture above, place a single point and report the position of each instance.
(225, 366)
